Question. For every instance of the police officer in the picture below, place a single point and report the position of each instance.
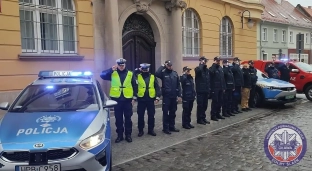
(254, 79)
(217, 89)
(246, 88)
(230, 87)
(285, 71)
(188, 97)
(202, 82)
(239, 82)
(272, 71)
(171, 92)
(123, 90)
(148, 95)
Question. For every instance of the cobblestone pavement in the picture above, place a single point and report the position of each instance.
(237, 148)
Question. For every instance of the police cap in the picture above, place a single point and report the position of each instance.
(168, 62)
(236, 59)
(145, 65)
(203, 58)
(251, 62)
(217, 58)
(225, 61)
(186, 68)
(121, 61)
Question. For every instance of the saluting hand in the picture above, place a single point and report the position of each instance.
(133, 101)
(156, 101)
(114, 68)
(179, 99)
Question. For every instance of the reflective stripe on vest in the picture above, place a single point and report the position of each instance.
(142, 86)
(117, 88)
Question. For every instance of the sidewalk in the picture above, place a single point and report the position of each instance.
(124, 151)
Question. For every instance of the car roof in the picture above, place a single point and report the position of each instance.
(60, 81)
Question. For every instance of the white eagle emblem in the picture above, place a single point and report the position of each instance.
(48, 119)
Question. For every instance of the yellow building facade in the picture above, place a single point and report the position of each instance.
(90, 35)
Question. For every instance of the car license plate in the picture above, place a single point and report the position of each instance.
(51, 167)
(289, 97)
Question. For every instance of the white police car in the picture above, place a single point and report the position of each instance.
(60, 122)
(270, 90)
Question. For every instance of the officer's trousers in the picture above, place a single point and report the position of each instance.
(187, 106)
(236, 98)
(202, 105)
(245, 97)
(169, 108)
(150, 107)
(217, 101)
(227, 101)
(123, 109)
(252, 101)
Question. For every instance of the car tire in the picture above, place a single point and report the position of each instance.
(308, 92)
(259, 99)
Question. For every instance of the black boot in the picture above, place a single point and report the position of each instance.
(128, 138)
(141, 133)
(191, 126)
(201, 122)
(118, 139)
(174, 129)
(225, 115)
(207, 122)
(234, 112)
(166, 131)
(229, 113)
(219, 116)
(151, 132)
(186, 127)
(214, 118)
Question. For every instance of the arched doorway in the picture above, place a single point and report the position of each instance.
(138, 43)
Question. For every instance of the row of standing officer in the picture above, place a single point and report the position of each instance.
(284, 69)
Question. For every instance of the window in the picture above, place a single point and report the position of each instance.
(307, 38)
(265, 34)
(284, 36)
(226, 39)
(275, 38)
(48, 26)
(190, 32)
(291, 37)
(265, 56)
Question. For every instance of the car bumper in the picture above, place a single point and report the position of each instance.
(97, 159)
(281, 97)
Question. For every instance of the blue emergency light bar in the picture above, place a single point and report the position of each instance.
(63, 74)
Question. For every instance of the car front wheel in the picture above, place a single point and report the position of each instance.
(258, 99)
(308, 92)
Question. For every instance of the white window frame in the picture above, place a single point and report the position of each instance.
(59, 12)
(283, 35)
(275, 35)
(264, 34)
(291, 37)
(227, 33)
(193, 30)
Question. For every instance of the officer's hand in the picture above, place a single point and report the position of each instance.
(156, 101)
(133, 101)
(233, 89)
(223, 91)
(179, 99)
(114, 67)
(140, 68)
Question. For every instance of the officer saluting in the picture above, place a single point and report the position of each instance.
(171, 91)
(230, 87)
(123, 90)
(188, 97)
(148, 94)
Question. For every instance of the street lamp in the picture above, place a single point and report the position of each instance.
(250, 23)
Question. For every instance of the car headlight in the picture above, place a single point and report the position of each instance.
(93, 140)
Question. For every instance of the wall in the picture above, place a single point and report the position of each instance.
(211, 13)
(18, 73)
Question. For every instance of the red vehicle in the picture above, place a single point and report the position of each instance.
(300, 76)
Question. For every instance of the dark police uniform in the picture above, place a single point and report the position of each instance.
(148, 94)
(272, 71)
(188, 97)
(171, 89)
(202, 82)
(285, 72)
(239, 82)
(217, 89)
(230, 87)
(254, 79)
(123, 90)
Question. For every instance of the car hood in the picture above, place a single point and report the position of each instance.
(45, 126)
(271, 82)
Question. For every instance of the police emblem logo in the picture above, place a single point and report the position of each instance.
(285, 145)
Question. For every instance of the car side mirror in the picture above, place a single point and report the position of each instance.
(110, 103)
(4, 105)
(295, 70)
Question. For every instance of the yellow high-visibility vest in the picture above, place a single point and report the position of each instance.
(116, 87)
(142, 86)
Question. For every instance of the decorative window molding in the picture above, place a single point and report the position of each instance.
(48, 27)
(226, 38)
(190, 34)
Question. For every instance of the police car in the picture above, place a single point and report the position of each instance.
(270, 90)
(60, 122)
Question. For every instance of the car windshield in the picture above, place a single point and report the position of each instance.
(303, 66)
(56, 98)
(261, 75)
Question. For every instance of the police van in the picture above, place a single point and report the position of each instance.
(60, 122)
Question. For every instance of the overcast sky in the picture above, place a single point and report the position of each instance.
(305, 3)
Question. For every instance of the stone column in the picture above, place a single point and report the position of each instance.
(175, 48)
